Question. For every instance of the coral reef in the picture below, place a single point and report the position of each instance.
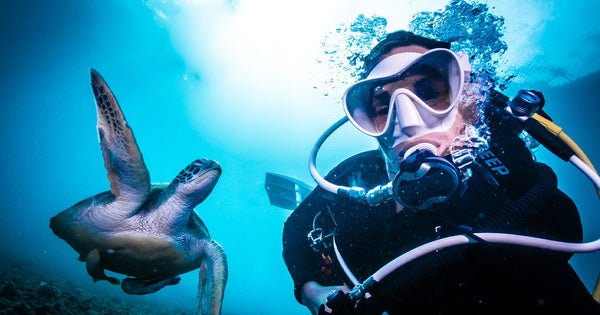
(26, 290)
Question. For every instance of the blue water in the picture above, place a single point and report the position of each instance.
(245, 83)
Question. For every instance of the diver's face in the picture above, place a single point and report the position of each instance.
(434, 93)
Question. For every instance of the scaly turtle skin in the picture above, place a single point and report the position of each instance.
(150, 232)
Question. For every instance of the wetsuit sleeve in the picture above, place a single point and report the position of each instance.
(302, 261)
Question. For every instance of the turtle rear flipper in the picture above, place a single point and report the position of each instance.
(146, 286)
(92, 264)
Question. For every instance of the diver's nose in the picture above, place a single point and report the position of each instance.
(407, 115)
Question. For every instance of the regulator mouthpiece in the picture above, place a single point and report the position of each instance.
(425, 180)
(421, 146)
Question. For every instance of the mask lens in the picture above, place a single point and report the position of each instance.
(428, 84)
(360, 109)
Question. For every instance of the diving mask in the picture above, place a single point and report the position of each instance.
(407, 95)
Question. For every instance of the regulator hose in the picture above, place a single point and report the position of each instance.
(418, 274)
(525, 206)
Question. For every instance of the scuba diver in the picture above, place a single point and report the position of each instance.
(451, 168)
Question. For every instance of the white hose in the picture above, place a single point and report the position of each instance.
(343, 264)
(585, 169)
(313, 157)
(496, 238)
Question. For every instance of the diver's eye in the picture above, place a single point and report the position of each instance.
(382, 111)
(381, 99)
(426, 90)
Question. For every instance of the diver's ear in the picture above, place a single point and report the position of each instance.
(465, 64)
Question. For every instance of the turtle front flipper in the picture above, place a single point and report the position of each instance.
(146, 286)
(92, 264)
(127, 173)
(212, 280)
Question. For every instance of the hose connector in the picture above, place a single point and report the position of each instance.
(379, 194)
(356, 193)
(360, 290)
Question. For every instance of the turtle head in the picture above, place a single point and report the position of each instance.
(195, 182)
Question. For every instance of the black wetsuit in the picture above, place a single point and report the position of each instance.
(467, 279)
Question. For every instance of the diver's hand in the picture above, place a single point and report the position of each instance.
(315, 295)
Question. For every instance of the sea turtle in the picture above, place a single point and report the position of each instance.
(149, 232)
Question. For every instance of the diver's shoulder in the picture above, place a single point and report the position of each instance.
(365, 166)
